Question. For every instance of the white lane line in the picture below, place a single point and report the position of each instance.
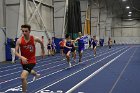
(36, 63)
(56, 57)
(52, 73)
(20, 64)
(35, 67)
(94, 73)
(13, 65)
(53, 62)
(114, 85)
(77, 72)
(38, 60)
(67, 68)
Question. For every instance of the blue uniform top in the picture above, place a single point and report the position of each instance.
(48, 46)
(94, 42)
(68, 43)
(81, 44)
(53, 45)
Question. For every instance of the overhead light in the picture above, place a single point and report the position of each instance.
(130, 12)
(127, 7)
(130, 19)
(123, 0)
(129, 15)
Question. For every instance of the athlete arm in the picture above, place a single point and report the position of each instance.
(41, 44)
(76, 40)
(17, 48)
(65, 44)
(60, 42)
(17, 53)
(74, 45)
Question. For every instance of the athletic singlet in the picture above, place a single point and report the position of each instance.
(81, 42)
(48, 46)
(53, 45)
(28, 50)
(68, 44)
(94, 42)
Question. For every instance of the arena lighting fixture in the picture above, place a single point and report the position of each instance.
(130, 19)
(123, 0)
(127, 7)
(130, 12)
(129, 15)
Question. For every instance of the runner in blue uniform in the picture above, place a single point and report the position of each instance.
(49, 47)
(94, 43)
(67, 48)
(81, 45)
(53, 48)
(73, 50)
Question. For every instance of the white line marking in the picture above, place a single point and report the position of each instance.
(52, 73)
(122, 72)
(53, 62)
(77, 72)
(67, 68)
(94, 73)
(37, 61)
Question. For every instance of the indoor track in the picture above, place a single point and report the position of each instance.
(114, 70)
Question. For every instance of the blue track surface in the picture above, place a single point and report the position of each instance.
(111, 71)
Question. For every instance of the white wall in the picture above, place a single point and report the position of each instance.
(12, 13)
(126, 31)
(2, 35)
(101, 21)
(15, 18)
(94, 20)
(1, 13)
(59, 13)
(83, 6)
(48, 2)
(2, 46)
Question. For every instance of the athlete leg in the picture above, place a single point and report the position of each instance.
(24, 76)
(74, 56)
(68, 58)
(94, 51)
(34, 73)
(80, 55)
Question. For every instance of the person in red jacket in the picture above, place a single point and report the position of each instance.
(61, 43)
(26, 43)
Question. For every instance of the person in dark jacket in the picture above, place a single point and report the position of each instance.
(12, 45)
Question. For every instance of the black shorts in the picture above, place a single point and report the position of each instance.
(94, 46)
(61, 47)
(28, 67)
(73, 49)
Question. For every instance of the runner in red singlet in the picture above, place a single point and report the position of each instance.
(26, 43)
